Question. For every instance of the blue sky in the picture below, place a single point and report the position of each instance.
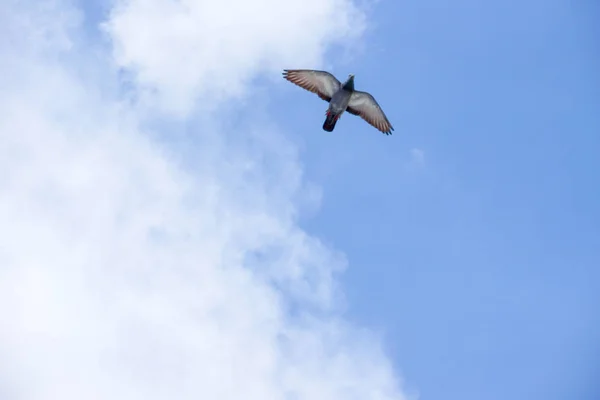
(482, 266)
(167, 199)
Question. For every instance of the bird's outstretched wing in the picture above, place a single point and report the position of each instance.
(365, 106)
(320, 82)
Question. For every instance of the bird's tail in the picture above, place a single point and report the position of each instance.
(330, 121)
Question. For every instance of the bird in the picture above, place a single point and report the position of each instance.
(341, 97)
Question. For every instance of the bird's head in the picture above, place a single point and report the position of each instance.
(349, 84)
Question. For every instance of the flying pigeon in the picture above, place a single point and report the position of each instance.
(341, 97)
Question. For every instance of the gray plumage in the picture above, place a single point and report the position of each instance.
(341, 97)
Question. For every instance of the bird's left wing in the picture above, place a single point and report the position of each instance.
(320, 82)
(365, 106)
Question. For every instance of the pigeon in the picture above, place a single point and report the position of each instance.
(341, 97)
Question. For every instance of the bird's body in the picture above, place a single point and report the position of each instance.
(341, 98)
(337, 106)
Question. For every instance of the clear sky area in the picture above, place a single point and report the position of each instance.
(176, 224)
(473, 233)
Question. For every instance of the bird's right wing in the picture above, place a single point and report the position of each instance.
(320, 82)
(365, 106)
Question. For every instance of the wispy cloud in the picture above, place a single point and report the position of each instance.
(417, 157)
(124, 275)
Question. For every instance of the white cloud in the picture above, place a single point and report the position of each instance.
(124, 275)
(187, 50)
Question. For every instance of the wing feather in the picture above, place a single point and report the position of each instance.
(320, 82)
(365, 106)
